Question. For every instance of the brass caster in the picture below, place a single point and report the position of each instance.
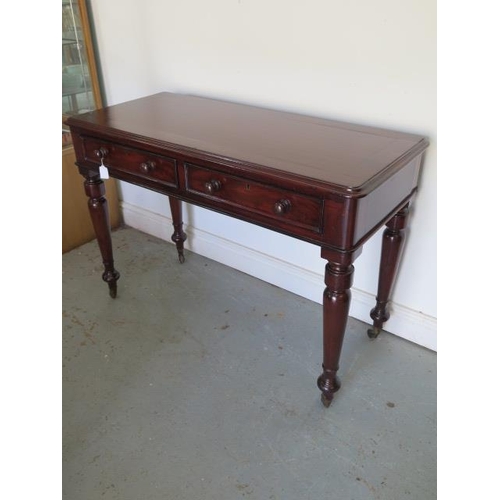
(373, 333)
(326, 402)
(111, 277)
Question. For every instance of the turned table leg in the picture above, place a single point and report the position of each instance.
(179, 236)
(392, 245)
(336, 301)
(98, 208)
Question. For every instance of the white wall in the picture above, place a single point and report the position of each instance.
(368, 62)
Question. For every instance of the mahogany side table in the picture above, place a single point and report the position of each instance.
(329, 183)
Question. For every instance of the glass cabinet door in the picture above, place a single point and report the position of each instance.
(80, 87)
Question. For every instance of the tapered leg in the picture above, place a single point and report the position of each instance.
(392, 245)
(179, 236)
(336, 301)
(98, 208)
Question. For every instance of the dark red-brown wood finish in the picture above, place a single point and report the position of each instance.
(329, 183)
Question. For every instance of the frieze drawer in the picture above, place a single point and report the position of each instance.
(289, 206)
(130, 160)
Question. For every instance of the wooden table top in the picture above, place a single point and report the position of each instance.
(337, 153)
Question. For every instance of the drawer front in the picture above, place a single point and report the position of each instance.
(133, 161)
(270, 201)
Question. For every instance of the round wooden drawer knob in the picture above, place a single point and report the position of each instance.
(281, 207)
(212, 186)
(101, 153)
(148, 166)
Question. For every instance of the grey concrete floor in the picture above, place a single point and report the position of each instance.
(199, 382)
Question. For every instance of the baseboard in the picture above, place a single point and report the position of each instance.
(404, 322)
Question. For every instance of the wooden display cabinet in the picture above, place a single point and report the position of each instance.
(80, 93)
